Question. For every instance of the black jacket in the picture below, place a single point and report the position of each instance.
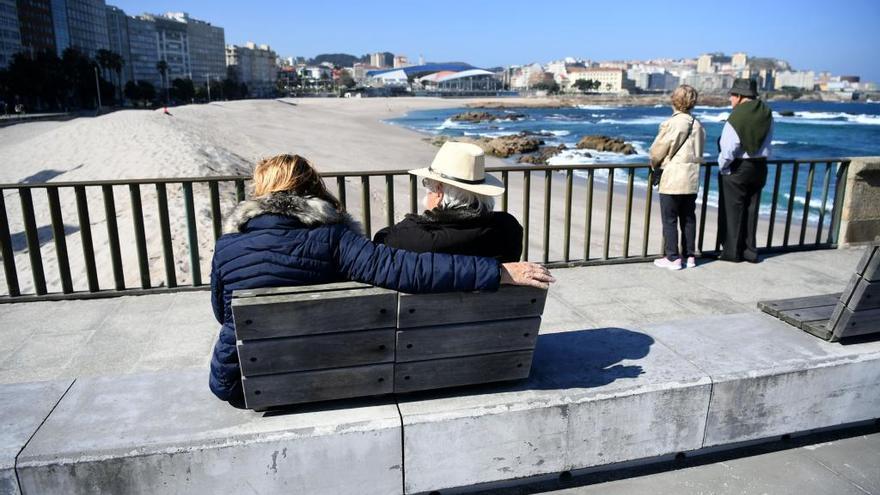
(457, 231)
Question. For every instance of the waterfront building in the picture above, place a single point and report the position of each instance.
(35, 25)
(143, 50)
(469, 81)
(256, 67)
(381, 59)
(117, 37)
(739, 61)
(610, 80)
(173, 45)
(710, 83)
(713, 62)
(80, 24)
(206, 48)
(400, 61)
(10, 37)
(794, 79)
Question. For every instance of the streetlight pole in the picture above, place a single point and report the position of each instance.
(208, 79)
(98, 89)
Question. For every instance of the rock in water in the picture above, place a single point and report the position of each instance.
(543, 154)
(605, 143)
(486, 117)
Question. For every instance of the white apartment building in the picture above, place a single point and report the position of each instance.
(256, 67)
(611, 80)
(794, 79)
(739, 61)
(400, 61)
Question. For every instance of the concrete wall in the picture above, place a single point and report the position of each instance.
(860, 219)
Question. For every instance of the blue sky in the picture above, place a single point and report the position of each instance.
(820, 35)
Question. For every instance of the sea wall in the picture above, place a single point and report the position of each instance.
(860, 217)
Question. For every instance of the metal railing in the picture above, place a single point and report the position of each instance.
(184, 217)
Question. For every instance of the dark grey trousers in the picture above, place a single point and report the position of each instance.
(678, 211)
(739, 204)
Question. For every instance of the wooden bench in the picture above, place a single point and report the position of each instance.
(855, 311)
(334, 341)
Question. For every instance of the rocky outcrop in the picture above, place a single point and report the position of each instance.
(786, 113)
(605, 143)
(504, 146)
(486, 117)
(543, 154)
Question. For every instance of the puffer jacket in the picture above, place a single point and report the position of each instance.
(681, 173)
(287, 240)
(457, 231)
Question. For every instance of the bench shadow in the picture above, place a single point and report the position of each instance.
(566, 360)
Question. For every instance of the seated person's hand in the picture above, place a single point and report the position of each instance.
(526, 273)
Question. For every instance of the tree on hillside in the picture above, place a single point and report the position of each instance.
(337, 59)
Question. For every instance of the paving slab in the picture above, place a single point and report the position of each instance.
(594, 397)
(165, 433)
(857, 459)
(23, 408)
(770, 378)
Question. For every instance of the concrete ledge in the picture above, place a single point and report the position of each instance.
(23, 408)
(165, 432)
(770, 378)
(595, 397)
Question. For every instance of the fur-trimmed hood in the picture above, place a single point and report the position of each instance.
(309, 210)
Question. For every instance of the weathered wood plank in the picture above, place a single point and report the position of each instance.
(818, 328)
(265, 391)
(865, 296)
(454, 372)
(418, 310)
(292, 315)
(300, 289)
(852, 323)
(467, 339)
(775, 306)
(869, 252)
(798, 317)
(847, 294)
(872, 271)
(336, 350)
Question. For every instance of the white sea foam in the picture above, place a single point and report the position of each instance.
(828, 118)
(712, 117)
(778, 143)
(648, 120)
(491, 134)
(595, 107)
(707, 107)
(555, 133)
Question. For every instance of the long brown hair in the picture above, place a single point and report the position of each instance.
(290, 173)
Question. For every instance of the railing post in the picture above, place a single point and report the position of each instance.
(113, 236)
(85, 228)
(527, 192)
(649, 200)
(548, 181)
(807, 197)
(630, 177)
(389, 194)
(588, 215)
(773, 202)
(790, 209)
(165, 230)
(6, 248)
(566, 237)
(365, 200)
(504, 180)
(60, 239)
(33, 240)
(140, 238)
(216, 216)
(839, 195)
(609, 196)
(826, 182)
(340, 189)
(192, 233)
(413, 195)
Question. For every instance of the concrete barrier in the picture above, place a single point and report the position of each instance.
(770, 378)
(23, 408)
(165, 433)
(860, 215)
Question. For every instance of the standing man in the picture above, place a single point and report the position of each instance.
(743, 149)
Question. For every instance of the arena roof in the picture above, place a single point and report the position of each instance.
(423, 70)
(465, 73)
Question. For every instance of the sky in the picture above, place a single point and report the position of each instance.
(841, 37)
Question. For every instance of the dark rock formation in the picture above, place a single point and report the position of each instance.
(605, 143)
(543, 154)
(486, 117)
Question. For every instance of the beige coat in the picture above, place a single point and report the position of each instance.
(681, 174)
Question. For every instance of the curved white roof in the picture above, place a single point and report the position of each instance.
(466, 73)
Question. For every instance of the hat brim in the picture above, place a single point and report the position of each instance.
(747, 94)
(491, 186)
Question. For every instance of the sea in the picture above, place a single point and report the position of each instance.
(802, 130)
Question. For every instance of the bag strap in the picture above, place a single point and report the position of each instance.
(685, 139)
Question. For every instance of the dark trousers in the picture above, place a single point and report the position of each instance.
(678, 211)
(739, 202)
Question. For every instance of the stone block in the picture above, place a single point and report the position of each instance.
(165, 433)
(594, 397)
(770, 378)
(860, 216)
(23, 408)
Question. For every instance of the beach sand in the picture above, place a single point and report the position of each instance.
(226, 138)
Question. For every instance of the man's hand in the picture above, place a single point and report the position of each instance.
(525, 273)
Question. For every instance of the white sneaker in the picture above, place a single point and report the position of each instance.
(691, 262)
(669, 265)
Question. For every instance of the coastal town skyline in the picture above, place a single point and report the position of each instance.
(489, 35)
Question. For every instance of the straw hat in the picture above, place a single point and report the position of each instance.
(462, 165)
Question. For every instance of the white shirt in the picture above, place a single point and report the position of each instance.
(731, 148)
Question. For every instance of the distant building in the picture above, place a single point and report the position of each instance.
(382, 60)
(400, 61)
(739, 61)
(206, 48)
(35, 25)
(256, 67)
(610, 80)
(794, 79)
(173, 43)
(10, 36)
(709, 63)
(117, 36)
(469, 81)
(709, 82)
(143, 50)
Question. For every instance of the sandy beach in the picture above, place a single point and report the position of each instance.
(226, 138)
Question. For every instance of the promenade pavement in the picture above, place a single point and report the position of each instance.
(70, 339)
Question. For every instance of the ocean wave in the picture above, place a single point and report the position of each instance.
(649, 120)
(451, 124)
(708, 107)
(829, 118)
(492, 134)
(595, 107)
(778, 143)
(555, 133)
(709, 117)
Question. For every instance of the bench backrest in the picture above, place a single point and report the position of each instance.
(334, 341)
(858, 311)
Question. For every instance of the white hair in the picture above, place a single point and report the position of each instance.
(456, 197)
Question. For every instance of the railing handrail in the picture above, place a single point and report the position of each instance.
(379, 173)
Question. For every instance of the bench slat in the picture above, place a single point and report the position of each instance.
(818, 328)
(852, 323)
(301, 289)
(265, 391)
(338, 350)
(467, 339)
(292, 315)
(798, 317)
(775, 306)
(865, 296)
(869, 252)
(419, 310)
(454, 372)
(872, 271)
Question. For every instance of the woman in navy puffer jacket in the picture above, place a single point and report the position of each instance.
(296, 233)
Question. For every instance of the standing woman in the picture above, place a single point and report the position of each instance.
(676, 154)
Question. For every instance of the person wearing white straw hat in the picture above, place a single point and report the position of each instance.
(458, 216)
